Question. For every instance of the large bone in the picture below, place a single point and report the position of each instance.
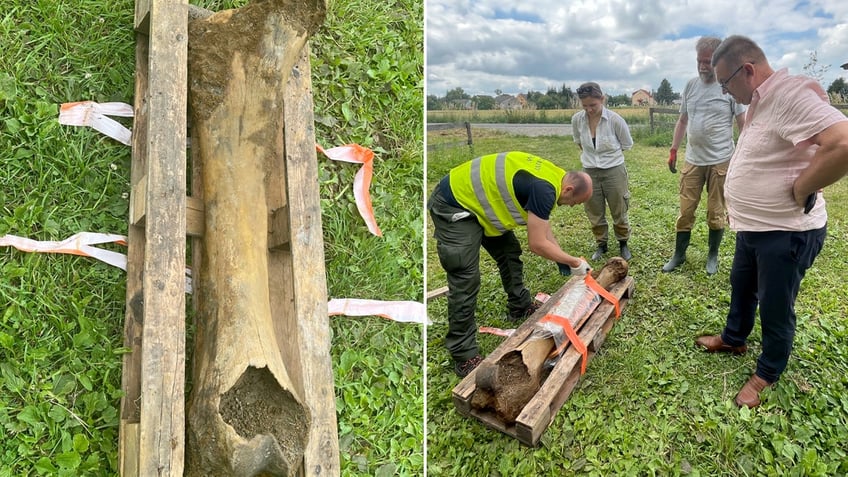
(507, 385)
(246, 417)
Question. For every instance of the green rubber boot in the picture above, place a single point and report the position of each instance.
(712, 255)
(681, 243)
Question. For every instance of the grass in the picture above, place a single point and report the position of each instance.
(633, 115)
(650, 403)
(61, 316)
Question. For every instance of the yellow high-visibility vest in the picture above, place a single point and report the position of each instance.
(484, 187)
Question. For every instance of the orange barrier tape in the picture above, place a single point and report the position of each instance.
(573, 338)
(81, 244)
(89, 113)
(78, 244)
(542, 297)
(594, 285)
(362, 182)
(497, 331)
(402, 311)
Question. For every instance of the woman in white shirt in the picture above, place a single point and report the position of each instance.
(602, 136)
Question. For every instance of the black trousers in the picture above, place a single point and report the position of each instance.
(458, 240)
(767, 271)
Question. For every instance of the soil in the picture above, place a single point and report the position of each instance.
(257, 405)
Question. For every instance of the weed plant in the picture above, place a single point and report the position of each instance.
(61, 316)
(650, 403)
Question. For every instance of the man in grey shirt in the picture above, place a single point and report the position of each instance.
(706, 117)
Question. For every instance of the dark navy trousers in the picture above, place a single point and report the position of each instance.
(767, 271)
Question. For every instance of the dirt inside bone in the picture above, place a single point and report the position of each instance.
(257, 404)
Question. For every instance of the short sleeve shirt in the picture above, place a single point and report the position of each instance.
(709, 129)
(774, 147)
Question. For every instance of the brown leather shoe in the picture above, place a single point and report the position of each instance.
(749, 395)
(714, 344)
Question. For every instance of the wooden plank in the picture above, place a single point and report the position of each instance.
(162, 418)
(441, 291)
(465, 389)
(664, 111)
(142, 16)
(138, 201)
(538, 414)
(194, 217)
(138, 209)
(309, 292)
(128, 453)
(444, 126)
(278, 227)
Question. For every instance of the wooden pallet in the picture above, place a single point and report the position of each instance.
(162, 214)
(538, 414)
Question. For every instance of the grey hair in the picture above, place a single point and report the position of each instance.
(707, 43)
(738, 49)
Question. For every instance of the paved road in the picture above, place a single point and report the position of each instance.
(528, 129)
(520, 129)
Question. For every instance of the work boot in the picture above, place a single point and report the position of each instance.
(712, 255)
(624, 251)
(602, 249)
(462, 368)
(681, 243)
(521, 315)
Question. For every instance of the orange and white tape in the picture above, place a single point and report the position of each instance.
(79, 244)
(402, 311)
(82, 244)
(89, 113)
(496, 331)
(361, 182)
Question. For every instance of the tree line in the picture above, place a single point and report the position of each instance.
(553, 98)
(566, 98)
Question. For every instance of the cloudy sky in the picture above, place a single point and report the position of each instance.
(624, 45)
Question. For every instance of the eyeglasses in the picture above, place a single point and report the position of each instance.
(723, 84)
(585, 91)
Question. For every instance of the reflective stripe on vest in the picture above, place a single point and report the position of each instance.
(503, 190)
(484, 187)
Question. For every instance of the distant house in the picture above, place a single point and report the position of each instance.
(641, 97)
(508, 101)
(462, 104)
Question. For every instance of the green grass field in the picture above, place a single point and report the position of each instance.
(61, 317)
(650, 403)
(634, 115)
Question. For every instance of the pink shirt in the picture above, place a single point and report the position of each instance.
(774, 147)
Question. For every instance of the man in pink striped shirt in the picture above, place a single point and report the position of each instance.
(794, 144)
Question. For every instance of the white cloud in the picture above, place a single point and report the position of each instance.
(623, 45)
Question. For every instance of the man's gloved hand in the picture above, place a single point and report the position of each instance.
(582, 269)
(564, 269)
(672, 160)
